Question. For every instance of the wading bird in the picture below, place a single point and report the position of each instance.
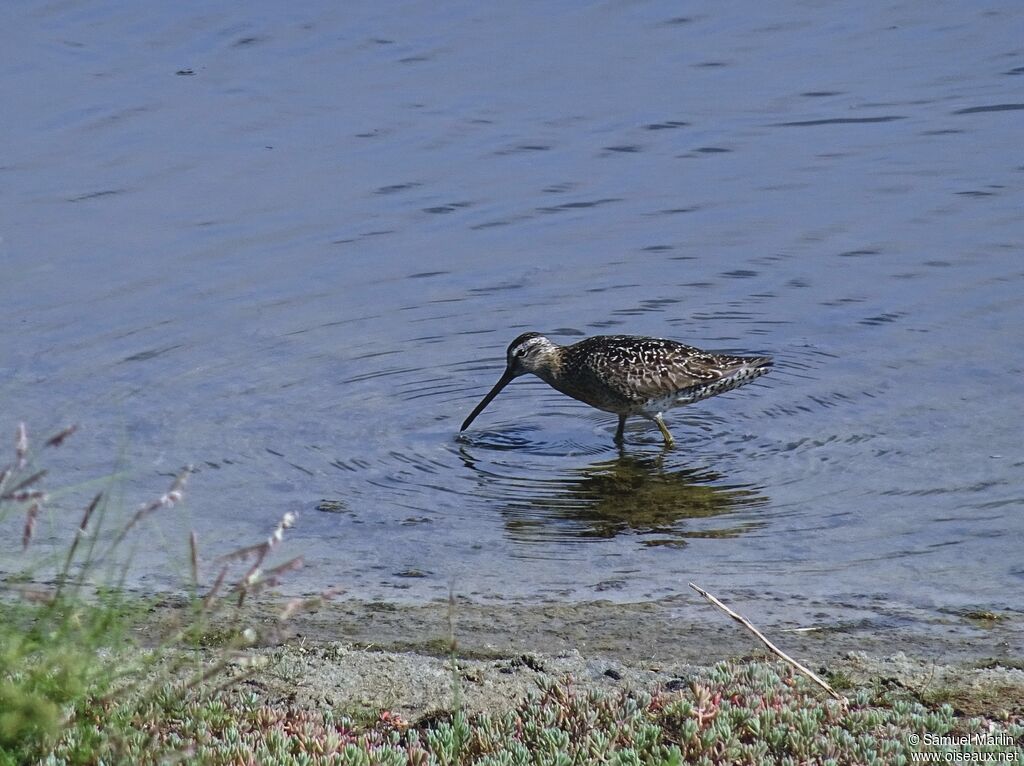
(626, 374)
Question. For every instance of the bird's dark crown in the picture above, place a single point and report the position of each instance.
(522, 339)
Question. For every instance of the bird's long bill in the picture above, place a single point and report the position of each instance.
(506, 378)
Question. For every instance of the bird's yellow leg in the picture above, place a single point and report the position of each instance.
(669, 441)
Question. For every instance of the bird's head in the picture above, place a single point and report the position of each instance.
(530, 352)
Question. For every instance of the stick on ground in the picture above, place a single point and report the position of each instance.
(771, 647)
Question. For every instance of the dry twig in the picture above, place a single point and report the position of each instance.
(771, 647)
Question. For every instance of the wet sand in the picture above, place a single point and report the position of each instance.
(362, 657)
(648, 632)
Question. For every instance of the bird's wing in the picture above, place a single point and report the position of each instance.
(649, 368)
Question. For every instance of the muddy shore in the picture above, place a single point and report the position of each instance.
(363, 657)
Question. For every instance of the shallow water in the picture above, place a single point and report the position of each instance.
(290, 245)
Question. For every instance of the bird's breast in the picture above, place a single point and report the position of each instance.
(591, 390)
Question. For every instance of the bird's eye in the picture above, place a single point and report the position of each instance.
(521, 352)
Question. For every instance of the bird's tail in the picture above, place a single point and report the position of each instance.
(746, 369)
(738, 371)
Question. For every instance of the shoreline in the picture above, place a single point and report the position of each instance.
(677, 629)
(374, 656)
(166, 676)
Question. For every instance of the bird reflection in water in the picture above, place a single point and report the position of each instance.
(630, 494)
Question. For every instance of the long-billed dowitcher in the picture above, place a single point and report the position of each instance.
(626, 374)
